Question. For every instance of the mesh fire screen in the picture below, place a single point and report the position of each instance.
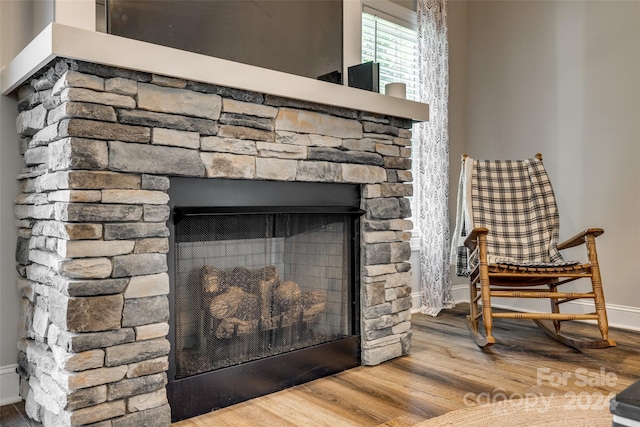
(250, 286)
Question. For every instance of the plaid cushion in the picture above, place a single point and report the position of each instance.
(515, 201)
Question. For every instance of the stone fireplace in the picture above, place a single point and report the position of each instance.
(102, 146)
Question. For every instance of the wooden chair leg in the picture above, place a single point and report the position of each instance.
(487, 314)
(601, 310)
(472, 318)
(596, 283)
(485, 289)
(473, 306)
(485, 296)
(554, 307)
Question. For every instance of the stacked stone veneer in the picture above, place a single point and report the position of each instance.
(99, 146)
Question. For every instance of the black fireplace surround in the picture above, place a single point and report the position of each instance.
(246, 322)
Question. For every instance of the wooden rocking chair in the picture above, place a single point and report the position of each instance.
(508, 222)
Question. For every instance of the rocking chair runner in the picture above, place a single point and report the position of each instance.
(508, 222)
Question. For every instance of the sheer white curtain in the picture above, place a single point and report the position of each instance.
(433, 154)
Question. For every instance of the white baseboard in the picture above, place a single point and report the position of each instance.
(416, 302)
(9, 385)
(460, 293)
(619, 316)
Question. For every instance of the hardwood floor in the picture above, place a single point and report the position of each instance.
(445, 371)
(13, 415)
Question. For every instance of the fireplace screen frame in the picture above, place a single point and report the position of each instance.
(226, 386)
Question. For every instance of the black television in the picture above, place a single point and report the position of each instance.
(302, 37)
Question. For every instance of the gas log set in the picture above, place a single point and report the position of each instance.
(244, 302)
(248, 315)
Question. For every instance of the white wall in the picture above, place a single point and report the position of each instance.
(20, 21)
(458, 66)
(563, 78)
(10, 162)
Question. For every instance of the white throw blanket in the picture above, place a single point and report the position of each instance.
(464, 219)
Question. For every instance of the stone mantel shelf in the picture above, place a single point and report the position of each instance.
(58, 40)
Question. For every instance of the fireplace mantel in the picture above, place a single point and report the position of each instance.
(58, 40)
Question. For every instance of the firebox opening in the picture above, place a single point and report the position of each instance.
(262, 296)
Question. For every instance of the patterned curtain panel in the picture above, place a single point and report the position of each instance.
(433, 155)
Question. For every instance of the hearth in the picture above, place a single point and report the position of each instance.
(263, 291)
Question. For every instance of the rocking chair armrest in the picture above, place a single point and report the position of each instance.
(470, 241)
(579, 238)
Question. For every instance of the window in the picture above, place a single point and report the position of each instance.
(390, 38)
(393, 47)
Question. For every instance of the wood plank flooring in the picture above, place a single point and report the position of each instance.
(13, 415)
(444, 372)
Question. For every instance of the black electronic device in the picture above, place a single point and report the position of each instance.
(332, 77)
(365, 76)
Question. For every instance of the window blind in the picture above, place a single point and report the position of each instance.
(394, 48)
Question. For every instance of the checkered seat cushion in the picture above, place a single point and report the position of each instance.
(514, 200)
